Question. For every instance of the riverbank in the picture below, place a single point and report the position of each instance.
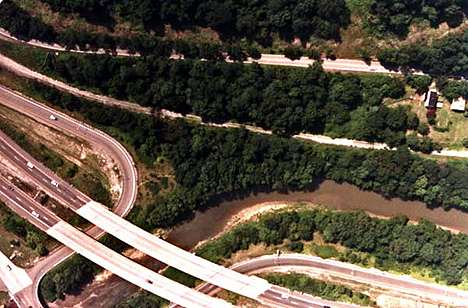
(216, 220)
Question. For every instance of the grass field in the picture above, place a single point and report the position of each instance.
(451, 126)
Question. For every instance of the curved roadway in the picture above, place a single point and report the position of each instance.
(47, 221)
(42, 112)
(98, 140)
(430, 292)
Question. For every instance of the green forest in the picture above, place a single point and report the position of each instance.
(393, 242)
(286, 100)
(209, 161)
(212, 164)
(254, 20)
(396, 16)
(26, 27)
(443, 57)
(258, 21)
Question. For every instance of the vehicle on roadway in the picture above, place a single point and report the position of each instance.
(52, 117)
(35, 214)
(54, 183)
(30, 165)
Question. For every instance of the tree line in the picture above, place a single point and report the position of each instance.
(442, 57)
(286, 100)
(254, 20)
(396, 16)
(390, 241)
(26, 27)
(305, 283)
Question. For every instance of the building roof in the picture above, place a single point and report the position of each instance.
(431, 99)
(458, 104)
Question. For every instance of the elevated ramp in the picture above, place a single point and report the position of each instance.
(251, 287)
(131, 271)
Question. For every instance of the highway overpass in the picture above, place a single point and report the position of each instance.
(15, 279)
(251, 287)
(99, 215)
(91, 249)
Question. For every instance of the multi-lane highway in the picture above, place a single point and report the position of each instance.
(97, 214)
(251, 287)
(105, 257)
(100, 142)
(111, 223)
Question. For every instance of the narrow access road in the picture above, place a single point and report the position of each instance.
(21, 70)
(430, 292)
(338, 65)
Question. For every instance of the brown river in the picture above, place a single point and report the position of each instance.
(110, 291)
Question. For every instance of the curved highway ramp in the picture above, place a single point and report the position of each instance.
(99, 215)
(91, 249)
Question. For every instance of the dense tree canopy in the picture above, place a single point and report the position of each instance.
(444, 57)
(395, 16)
(256, 20)
(209, 162)
(285, 100)
(22, 25)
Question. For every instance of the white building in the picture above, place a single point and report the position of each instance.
(458, 104)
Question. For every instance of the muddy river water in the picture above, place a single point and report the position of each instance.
(212, 221)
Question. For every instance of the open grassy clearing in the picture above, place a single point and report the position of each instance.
(451, 126)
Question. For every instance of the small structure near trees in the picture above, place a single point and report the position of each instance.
(458, 104)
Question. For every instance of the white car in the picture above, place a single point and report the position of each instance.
(35, 214)
(52, 117)
(30, 165)
(54, 183)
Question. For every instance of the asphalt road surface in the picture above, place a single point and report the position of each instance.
(127, 269)
(402, 284)
(350, 65)
(124, 230)
(59, 189)
(342, 65)
(99, 141)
